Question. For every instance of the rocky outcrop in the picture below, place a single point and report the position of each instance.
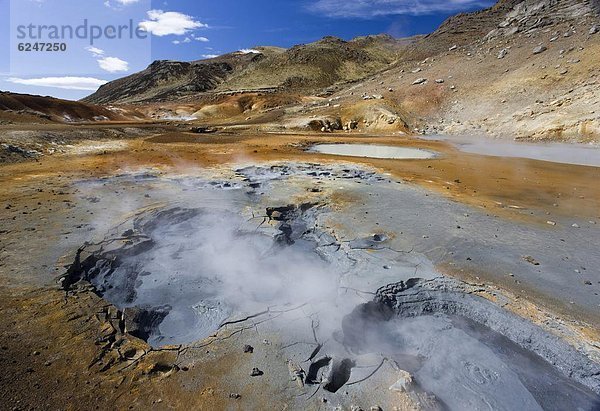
(529, 15)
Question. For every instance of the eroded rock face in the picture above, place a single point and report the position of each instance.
(535, 14)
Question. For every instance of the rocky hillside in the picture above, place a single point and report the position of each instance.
(506, 17)
(463, 28)
(167, 80)
(321, 64)
(521, 69)
(303, 67)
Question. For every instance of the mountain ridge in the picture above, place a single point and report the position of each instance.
(302, 67)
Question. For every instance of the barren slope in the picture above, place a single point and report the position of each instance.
(305, 67)
(167, 80)
(519, 69)
(21, 108)
(321, 64)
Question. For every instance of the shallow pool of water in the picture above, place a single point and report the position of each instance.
(578, 154)
(373, 151)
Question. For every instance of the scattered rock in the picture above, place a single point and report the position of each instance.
(404, 384)
(440, 81)
(419, 81)
(203, 130)
(248, 349)
(502, 53)
(539, 49)
(256, 372)
(235, 396)
(21, 151)
(296, 373)
(594, 29)
(531, 260)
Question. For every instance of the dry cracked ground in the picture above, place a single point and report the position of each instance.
(175, 270)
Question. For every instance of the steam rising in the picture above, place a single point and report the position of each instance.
(208, 266)
(217, 256)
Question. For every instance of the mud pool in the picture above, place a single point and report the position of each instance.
(200, 258)
(493, 372)
(373, 151)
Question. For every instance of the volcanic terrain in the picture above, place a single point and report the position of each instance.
(372, 224)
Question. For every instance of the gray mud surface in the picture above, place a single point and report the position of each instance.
(340, 302)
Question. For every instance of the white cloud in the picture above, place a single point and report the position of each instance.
(209, 56)
(69, 83)
(96, 52)
(248, 51)
(202, 39)
(184, 41)
(374, 8)
(113, 64)
(164, 23)
(106, 63)
(118, 4)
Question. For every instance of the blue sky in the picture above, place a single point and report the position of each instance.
(187, 30)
